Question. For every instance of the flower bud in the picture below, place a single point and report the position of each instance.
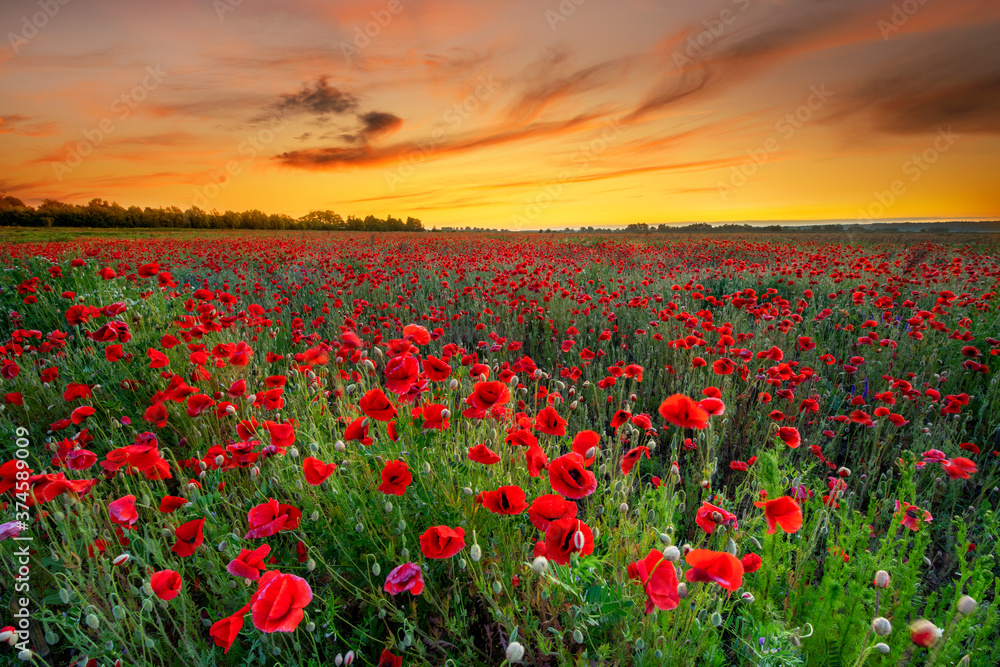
(476, 552)
(966, 605)
(515, 652)
(881, 626)
(578, 636)
(924, 633)
(539, 565)
(882, 579)
(882, 647)
(672, 553)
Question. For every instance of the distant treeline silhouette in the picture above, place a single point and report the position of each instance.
(103, 214)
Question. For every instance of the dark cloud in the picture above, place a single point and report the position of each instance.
(317, 99)
(373, 124)
(957, 84)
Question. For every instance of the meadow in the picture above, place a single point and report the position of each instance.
(305, 449)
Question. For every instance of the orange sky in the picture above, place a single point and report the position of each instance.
(512, 113)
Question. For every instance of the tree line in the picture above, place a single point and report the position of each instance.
(104, 214)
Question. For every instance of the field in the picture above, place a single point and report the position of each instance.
(306, 449)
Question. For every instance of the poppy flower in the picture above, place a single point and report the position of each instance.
(483, 454)
(442, 541)
(709, 516)
(436, 370)
(249, 563)
(400, 373)
(565, 537)
(584, 443)
(911, 515)
(357, 430)
(536, 460)
(189, 536)
(395, 478)
(720, 567)
(548, 508)
(485, 396)
(784, 512)
(123, 513)
(632, 457)
(170, 504)
(435, 416)
(270, 518)
(959, 468)
(790, 436)
(659, 579)
(225, 631)
(505, 500)
(376, 405)
(923, 633)
(406, 577)
(387, 659)
(683, 412)
(277, 605)
(316, 472)
(548, 421)
(723, 367)
(166, 584)
(570, 478)
(751, 563)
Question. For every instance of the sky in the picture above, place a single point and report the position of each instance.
(519, 114)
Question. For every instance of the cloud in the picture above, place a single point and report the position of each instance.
(24, 126)
(317, 99)
(374, 124)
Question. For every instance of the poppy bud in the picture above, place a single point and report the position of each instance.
(446, 414)
(966, 605)
(339, 660)
(748, 597)
(672, 554)
(882, 579)
(513, 380)
(93, 622)
(715, 619)
(376, 569)
(349, 658)
(476, 552)
(124, 558)
(230, 410)
(339, 446)
(426, 468)
(623, 508)
(360, 527)
(578, 636)
(254, 472)
(497, 588)
(251, 398)
(579, 539)
(515, 652)
(63, 596)
(882, 647)
(539, 565)
(844, 472)
(924, 633)
(25, 655)
(881, 626)
(453, 384)
(682, 590)
(314, 516)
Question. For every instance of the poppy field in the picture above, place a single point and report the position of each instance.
(469, 449)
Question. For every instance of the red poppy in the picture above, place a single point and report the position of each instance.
(406, 577)
(505, 500)
(565, 537)
(123, 513)
(548, 421)
(536, 460)
(659, 579)
(277, 605)
(170, 504)
(270, 518)
(400, 373)
(249, 563)
(784, 512)
(959, 468)
(387, 659)
(376, 405)
(483, 454)
(570, 478)
(442, 541)
(709, 516)
(189, 536)
(790, 436)
(723, 367)
(751, 563)
(225, 631)
(632, 457)
(436, 369)
(395, 478)
(681, 411)
(316, 472)
(548, 508)
(485, 396)
(166, 584)
(584, 443)
(720, 567)
(357, 430)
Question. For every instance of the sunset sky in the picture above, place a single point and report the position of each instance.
(512, 113)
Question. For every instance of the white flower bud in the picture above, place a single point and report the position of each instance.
(515, 652)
